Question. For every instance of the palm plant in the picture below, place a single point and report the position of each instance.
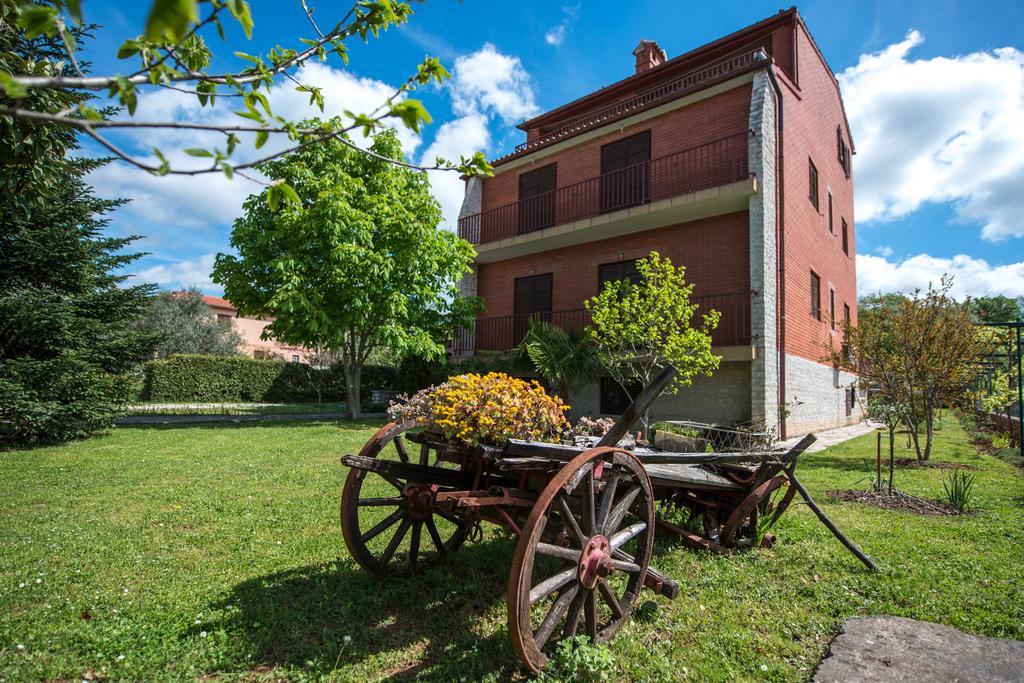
(564, 359)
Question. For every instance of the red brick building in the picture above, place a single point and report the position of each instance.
(734, 160)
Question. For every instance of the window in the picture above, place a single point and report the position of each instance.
(831, 227)
(537, 199)
(613, 272)
(846, 236)
(815, 296)
(846, 313)
(224, 319)
(851, 397)
(812, 177)
(625, 173)
(843, 151)
(614, 400)
(295, 359)
(832, 307)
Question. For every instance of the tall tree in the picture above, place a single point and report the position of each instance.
(919, 351)
(356, 265)
(637, 328)
(187, 325)
(995, 309)
(68, 342)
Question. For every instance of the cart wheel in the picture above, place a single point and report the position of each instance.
(583, 552)
(390, 529)
(758, 512)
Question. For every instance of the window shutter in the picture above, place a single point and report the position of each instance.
(815, 295)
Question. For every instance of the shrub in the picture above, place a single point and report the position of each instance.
(186, 378)
(959, 489)
(489, 408)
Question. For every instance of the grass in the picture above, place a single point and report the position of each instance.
(177, 553)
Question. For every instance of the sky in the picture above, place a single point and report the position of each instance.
(934, 91)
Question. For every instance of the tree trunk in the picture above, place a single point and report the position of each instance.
(892, 450)
(353, 400)
(929, 424)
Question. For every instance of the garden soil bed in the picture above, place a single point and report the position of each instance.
(914, 464)
(899, 501)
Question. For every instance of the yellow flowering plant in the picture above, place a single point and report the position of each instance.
(490, 409)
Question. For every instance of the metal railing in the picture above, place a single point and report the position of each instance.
(714, 163)
(501, 333)
(690, 82)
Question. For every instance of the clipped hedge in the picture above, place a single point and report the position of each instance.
(216, 379)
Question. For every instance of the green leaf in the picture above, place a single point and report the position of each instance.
(11, 86)
(128, 48)
(74, 10)
(261, 138)
(290, 194)
(272, 197)
(240, 10)
(37, 20)
(198, 152)
(169, 20)
(228, 170)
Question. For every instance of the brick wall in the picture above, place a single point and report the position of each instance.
(701, 122)
(714, 251)
(812, 113)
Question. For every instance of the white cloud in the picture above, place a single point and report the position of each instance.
(556, 35)
(455, 138)
(884, 251)
(181, 274)
(487, 81)
(971, 276)
(944, 129)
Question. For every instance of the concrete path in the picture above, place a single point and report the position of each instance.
(896, 649)
(831, 437)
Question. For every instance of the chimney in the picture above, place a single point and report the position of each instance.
(648, 55)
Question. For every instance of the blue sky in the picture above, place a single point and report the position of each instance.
(935, 92)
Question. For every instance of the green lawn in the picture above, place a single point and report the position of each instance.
(178, 553)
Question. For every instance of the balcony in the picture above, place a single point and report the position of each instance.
(501, 333)
(713, 164)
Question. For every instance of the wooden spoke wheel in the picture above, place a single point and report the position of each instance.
(749, 522)
(389, 524)
(582, 555)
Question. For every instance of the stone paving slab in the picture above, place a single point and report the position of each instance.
(886, 648)
(831, 437)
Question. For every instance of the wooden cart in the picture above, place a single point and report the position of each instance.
(584, 515)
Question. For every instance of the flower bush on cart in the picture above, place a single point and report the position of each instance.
(485, 409)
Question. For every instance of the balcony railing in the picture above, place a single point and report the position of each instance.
(501, 333)
(714, 163)
(691, 82)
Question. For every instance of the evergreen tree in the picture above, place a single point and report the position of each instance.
(68, 342)
(188, 325)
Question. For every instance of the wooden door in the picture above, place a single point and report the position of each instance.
(626, 172)
(537, 199)
(532, 301)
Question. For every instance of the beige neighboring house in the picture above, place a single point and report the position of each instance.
(250, 330)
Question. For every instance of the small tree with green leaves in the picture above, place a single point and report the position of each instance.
(355, 265)
(188, 326)
(564, 359)
(637, 328)
(891, 412)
